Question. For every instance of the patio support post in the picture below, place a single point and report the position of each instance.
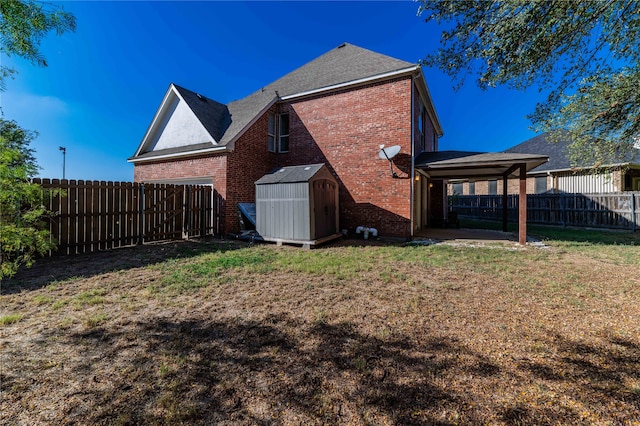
(522, 206)
(505, 200)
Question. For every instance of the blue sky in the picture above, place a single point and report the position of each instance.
(105, 81)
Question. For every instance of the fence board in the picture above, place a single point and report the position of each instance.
(613, 210)
(92, 215)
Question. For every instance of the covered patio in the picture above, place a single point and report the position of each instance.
(475, 165)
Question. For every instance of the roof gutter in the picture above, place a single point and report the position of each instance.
(216, 150)
(358, 82)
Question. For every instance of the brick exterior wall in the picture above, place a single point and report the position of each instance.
(214, 166)
(249, 161)
(513, 186)
(344, 130)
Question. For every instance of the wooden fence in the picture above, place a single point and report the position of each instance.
(98, 215)
(614, 210)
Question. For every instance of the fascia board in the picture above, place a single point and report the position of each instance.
(582, 169)
(216, 150)
(156, 117)
(352, 83)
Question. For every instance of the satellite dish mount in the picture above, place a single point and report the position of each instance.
(389, 153)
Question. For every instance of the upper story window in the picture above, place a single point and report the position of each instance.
(271, 133)
(421, 132)
(278, 133)
(283, 133)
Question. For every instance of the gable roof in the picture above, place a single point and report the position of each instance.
(344, 66)
(213, 115)
(558, 153)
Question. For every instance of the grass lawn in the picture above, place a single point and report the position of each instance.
(356, 333)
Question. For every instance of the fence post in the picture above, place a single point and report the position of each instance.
(203, 212)
(563, 205)
(633, 212)
(141, 220)
(187, 214)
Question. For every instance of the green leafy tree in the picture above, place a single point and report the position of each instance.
(585, 53)
(23, 230)
(23, 25)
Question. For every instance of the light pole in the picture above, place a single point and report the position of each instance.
(64, 155)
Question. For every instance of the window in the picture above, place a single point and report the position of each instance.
(457, 188)
(541, 184)
(472, 188)
(421, 135)
(271, 133)
(278, 131)
(283, 133)
(493, 187)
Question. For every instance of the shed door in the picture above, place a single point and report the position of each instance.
(324, 201)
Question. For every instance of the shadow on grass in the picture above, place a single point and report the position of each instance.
(286, 371)
(278, 371)
(61, 268)
(598, 371)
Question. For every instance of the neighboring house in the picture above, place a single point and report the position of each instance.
(336, 110)
(558, 174)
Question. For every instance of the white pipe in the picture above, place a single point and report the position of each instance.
(367, 231)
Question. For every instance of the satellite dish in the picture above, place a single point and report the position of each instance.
(389, 153)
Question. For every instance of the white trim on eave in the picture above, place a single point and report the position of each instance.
(216, 150)
(580, 169)
(358, 82)
(156, 116)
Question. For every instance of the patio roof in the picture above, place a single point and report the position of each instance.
(464, 165)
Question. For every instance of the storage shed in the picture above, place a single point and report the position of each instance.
(297, 204)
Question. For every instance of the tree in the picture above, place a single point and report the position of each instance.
(23, 232)
(23, 24)
(584, 52)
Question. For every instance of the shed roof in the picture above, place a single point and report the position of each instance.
(291, 174)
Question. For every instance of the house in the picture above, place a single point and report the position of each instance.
(336, 110)
(558, 174)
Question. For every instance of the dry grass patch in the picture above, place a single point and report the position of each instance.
(225, 333)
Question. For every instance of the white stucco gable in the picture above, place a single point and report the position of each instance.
(175, 125)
